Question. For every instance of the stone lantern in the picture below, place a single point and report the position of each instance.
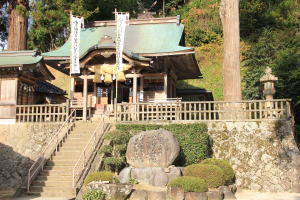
(268, 81)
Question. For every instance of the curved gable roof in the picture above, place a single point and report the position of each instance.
(139, 39)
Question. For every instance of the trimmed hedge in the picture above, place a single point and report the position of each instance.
(100, 176)
(193, 139)
(189, 184)
(212, 174)
(224, 165)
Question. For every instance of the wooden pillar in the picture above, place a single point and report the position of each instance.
(166, 85)
(85, 87)
(134, 89)
(72, 88)
(141, 88)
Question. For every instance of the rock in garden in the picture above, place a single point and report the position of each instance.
(156, 195)
(138, 195)
(157, 148)
(195, 196)
(153, 176)
(124, 175)
(175, 193)
(215, 195)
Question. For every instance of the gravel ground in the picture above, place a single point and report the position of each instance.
(250, 195)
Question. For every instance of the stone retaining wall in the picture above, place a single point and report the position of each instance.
(20, 145)
(264, 155)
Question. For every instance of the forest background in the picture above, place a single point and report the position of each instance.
(269, 35)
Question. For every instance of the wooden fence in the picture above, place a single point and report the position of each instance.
(255, 110)
(42, 113)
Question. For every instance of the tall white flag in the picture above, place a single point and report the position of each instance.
(121, 25)
(75, 41)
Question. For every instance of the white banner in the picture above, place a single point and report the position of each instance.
(121, 24)
(75, 41)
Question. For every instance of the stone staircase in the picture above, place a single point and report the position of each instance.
(56, 179)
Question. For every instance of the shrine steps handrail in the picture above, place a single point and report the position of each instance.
(89, 150)
(52, 147)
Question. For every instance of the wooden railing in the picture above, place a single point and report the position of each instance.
(42, 113)
(255, 110)
(51, 148)
(91, 148)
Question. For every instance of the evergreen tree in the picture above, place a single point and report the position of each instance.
(16, 17)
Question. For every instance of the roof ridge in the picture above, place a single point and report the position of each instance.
(32, 53)
(162, 20)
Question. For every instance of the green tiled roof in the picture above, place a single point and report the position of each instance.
(16, 58)
(139, 39)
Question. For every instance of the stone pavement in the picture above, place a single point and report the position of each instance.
(39, 198)
(250, 195)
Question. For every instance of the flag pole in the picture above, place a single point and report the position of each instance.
(71, 82)
(116, 68)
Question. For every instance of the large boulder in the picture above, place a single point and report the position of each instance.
(156, 148)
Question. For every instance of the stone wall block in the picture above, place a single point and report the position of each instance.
(156, 195)
(264, 154)
(195, 196)
(139, 195)
(175, 193)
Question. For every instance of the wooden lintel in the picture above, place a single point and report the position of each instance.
(154, 74)
(186, 52)
(133, 75)
(87, 76)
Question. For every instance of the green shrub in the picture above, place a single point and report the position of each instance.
(94, 195)
(136, 128)
(133, 181)
(224, 165)
(106, 149)
(114, 159)
(193, 140)
(114, 163)
(189, 184)
(212, 174)
(118, 137)
(100, 176)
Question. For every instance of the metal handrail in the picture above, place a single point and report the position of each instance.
(87, 152)
(38, 165)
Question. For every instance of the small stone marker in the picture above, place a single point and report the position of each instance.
(157, 148)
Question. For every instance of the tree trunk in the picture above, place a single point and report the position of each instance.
(18, 23)
(229, 12)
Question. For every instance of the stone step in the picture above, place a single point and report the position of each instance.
(80, 135)
(52, 183)
(67, 190)
(78, 143)
(58, 195)
(61, 163)
(51, 188)
(54, 178)
(58, 168)
(68, 153)
(56, 172)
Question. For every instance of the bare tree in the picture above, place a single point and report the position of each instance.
(229, 12)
